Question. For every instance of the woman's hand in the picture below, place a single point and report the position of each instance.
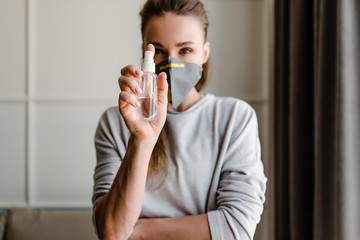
(128, 104)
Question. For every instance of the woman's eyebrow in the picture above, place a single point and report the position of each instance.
(185, 43)
(180, 44)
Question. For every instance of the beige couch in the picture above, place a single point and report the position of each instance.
(26, 223)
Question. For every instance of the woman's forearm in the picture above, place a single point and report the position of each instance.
(118, 210)
(187, 227)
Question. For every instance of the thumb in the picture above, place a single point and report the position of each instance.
(162, 85)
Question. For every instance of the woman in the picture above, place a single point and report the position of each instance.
(195, 172)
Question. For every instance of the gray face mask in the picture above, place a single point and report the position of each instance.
(181, 76)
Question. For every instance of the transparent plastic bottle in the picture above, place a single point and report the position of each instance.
(147, 111)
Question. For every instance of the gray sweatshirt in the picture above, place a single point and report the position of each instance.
(214, 166)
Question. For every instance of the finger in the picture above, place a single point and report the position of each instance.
(129, 84)
(150, 47)
(162, 88)
(126, 98)
(131, 70)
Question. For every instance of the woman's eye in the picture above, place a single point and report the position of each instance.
(159, 51)
(185, 51)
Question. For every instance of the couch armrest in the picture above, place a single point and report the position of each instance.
(3, 220)
(25, 223)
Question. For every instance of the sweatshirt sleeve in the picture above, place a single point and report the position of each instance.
(241, 191)
(110, 143)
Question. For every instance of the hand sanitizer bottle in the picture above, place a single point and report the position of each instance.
(147, 111)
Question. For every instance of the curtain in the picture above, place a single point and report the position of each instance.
(317, 117)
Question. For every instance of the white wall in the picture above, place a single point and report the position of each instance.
(59, 64)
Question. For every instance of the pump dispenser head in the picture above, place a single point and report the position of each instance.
(148, 64)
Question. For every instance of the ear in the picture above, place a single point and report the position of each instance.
(206, 52)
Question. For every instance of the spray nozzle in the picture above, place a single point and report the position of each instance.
(148, 63)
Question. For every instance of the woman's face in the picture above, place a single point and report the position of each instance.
(177, 36)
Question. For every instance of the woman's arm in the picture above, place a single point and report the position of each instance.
(118, 210)
(188, 227)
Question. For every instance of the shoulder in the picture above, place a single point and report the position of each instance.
(110, 118)
(111, 124)
(232, 107)
(110, 114)
(232, 101)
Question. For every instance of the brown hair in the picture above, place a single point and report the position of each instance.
(157, 8)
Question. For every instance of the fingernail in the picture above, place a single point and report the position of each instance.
(164, 74)
(138, 72)
(137, 103)
(138, 90)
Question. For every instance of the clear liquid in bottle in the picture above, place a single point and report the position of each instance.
(147, 111)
